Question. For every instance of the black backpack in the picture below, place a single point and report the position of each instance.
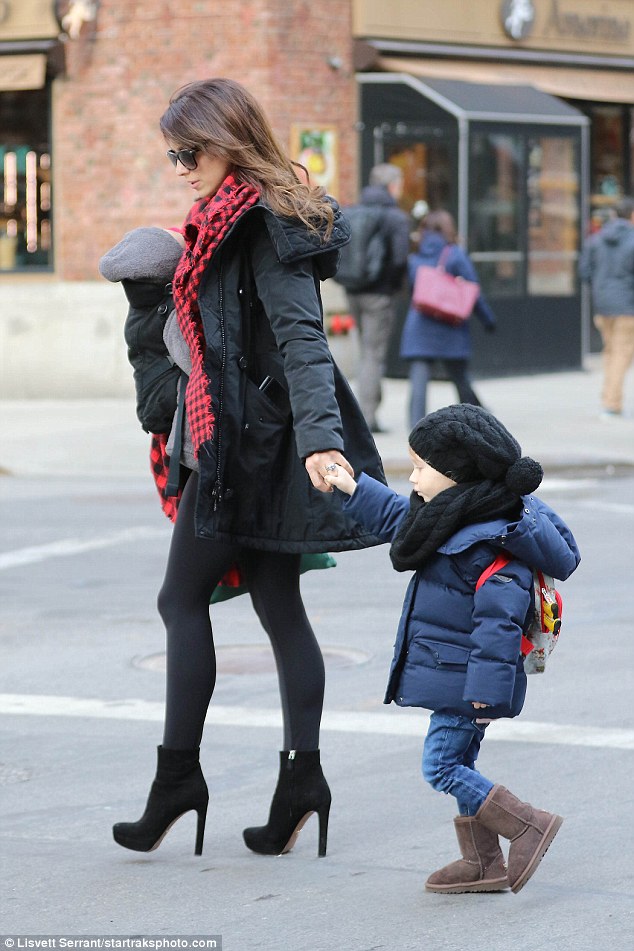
(364, 257)
(155, 374)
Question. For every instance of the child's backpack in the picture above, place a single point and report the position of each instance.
(363, 258)
(155, 374)
(541, 637)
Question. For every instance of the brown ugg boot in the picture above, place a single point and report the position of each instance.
(481, 868)
(530, 831)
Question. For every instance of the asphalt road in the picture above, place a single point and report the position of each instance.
(81, 688)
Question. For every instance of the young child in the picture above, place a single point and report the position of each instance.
(457, 650)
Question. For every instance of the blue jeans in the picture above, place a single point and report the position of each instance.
(449, 756)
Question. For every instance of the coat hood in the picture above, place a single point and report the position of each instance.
(293, 242)
(616, 232)
(540, 539)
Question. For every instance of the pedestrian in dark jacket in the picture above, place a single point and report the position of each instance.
(425, 339)
(266, 412)
(607, 262)
(457, 650)
(373, 307)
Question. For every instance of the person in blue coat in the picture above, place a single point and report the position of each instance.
(458, 649)
(426, 339)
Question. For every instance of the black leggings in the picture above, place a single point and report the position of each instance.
(194, 567)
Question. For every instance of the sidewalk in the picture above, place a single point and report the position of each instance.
(555, 417)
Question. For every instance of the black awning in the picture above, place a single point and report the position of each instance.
(485, 102)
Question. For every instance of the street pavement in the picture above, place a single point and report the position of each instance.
(82, 552)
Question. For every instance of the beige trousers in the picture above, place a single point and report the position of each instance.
(617, 334)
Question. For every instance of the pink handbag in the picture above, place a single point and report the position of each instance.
(442, 296)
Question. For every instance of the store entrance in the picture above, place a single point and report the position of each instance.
(506, 162)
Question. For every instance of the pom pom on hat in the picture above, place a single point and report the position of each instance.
(469, 444)
(524, 476)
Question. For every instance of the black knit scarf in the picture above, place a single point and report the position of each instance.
(428, 525)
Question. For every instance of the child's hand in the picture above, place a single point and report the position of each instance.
(337, 476)
(479, 706)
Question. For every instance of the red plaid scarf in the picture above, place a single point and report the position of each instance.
(159, 464)
(205, 226)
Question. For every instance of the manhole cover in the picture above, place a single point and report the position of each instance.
(257, 659)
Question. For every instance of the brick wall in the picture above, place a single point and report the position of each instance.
(110, 173)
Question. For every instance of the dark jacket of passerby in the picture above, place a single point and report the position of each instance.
(607, 261)
(426, 338)
(395, 229)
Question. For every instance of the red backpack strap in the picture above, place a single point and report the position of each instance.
(500, 562)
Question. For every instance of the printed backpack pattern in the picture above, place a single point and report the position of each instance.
(541, 637)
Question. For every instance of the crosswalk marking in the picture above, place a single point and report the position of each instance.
(75, 546)
(392, 723)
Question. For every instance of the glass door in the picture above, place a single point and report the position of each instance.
(553, 190)
(524, 213)
(497, 244)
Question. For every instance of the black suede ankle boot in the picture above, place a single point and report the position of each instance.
(179, 786)
(301, 791)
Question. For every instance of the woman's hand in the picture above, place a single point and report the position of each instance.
(479, 706)
(316, 467)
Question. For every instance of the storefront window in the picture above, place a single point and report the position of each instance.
(524, 213)
(425, 158)
(611, 157)
(25, 181)
(495, 171)
(553, 216)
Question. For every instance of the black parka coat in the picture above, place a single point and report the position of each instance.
(262, 317)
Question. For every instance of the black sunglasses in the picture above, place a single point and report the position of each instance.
(187, 158)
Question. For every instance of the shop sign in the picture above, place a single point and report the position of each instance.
(593, 26)
(27, 20)
(570, 26)
(26, 71)
(518, 20)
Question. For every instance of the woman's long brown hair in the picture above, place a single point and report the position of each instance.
(223, 118)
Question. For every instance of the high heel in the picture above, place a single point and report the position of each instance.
(179, 787)
(301, 790)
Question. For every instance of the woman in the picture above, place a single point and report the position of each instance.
(426, 339)
(267, 413)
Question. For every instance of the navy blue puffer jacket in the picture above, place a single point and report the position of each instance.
(455, 645)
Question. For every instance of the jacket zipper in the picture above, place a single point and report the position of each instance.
(216, 493)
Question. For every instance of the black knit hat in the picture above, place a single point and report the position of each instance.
(468, 444)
